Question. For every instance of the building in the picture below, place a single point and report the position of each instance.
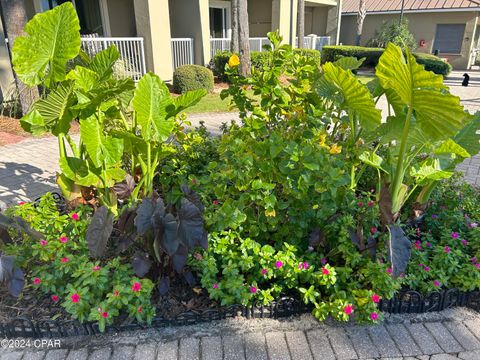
(449, 26)
(176, 32)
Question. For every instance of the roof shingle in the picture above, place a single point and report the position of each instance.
(351, 6)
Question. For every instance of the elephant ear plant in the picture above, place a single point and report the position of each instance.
(426, 133)
(87, 92)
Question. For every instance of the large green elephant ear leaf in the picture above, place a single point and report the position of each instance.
(150, 103)
(357, 99)
(102, 149)
(103, 62)
(469, 137)
(409, 86)
(349, 62)
(52, 113)
(53, 38)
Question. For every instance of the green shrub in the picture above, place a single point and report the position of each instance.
(332, 53)
(394, 32)
(258, 59)
(192, 77)
(433, 63)
(372, 55)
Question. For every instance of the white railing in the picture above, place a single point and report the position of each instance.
(182, 52)
(258, 43)
(132, 54)
(315, 42)
(222, 44)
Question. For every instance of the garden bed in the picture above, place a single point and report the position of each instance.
(405, 302)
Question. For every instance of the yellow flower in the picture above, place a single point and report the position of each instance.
(335, 149)
(323, 138)
(234, 60)
(270, 213)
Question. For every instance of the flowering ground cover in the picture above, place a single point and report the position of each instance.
(312, 196)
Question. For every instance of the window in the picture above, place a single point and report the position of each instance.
(449, 38)
(93, 14)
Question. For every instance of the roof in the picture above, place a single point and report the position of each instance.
(394, 6)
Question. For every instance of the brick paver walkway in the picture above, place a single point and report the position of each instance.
(455, 335)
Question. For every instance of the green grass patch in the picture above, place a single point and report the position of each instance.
(210, 103)
(365, 78)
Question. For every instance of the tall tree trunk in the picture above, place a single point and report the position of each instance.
(234, 43)
(14, 19)
(362, 13)
(243, 38)
(301, 24)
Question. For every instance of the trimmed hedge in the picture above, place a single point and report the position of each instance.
(371, 55)
(332, 53)
(433, 63)
(192, 77)
(257, 58)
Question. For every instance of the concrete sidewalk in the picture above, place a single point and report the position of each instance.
(452, 334)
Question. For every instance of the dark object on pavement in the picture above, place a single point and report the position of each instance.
(466, 79)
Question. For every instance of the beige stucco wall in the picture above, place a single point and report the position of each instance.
(316, 18)
(423, 27)
(284, 18)
(121, 15)
(191, 19)
(260, 17)
(153, 24)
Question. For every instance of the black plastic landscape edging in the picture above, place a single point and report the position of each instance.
(404, 302)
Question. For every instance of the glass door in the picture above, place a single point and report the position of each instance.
(218, 22)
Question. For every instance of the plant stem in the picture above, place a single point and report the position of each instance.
(61, 146)
(398, 179)
(148, 188)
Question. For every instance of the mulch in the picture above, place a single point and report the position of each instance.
(11, 131)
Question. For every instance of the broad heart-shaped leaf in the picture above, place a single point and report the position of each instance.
(167, 234)
(150, 102)
(147, 213)
(102, 63)
(430, 170)
(191, 230)
(99, 231)
(407, 84)
(180, 258)
(372, 159)
(99, 147)
(141, 264)
(357, 99)
(16, 283)
(34, 123)
(83, 78)
(53, 38)
(469, 136)
(10, 275)
(193, 197)
(53, 110)
(400, 249)
(451, 147)
(124, 189)
(349, 62)
(164, 285)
